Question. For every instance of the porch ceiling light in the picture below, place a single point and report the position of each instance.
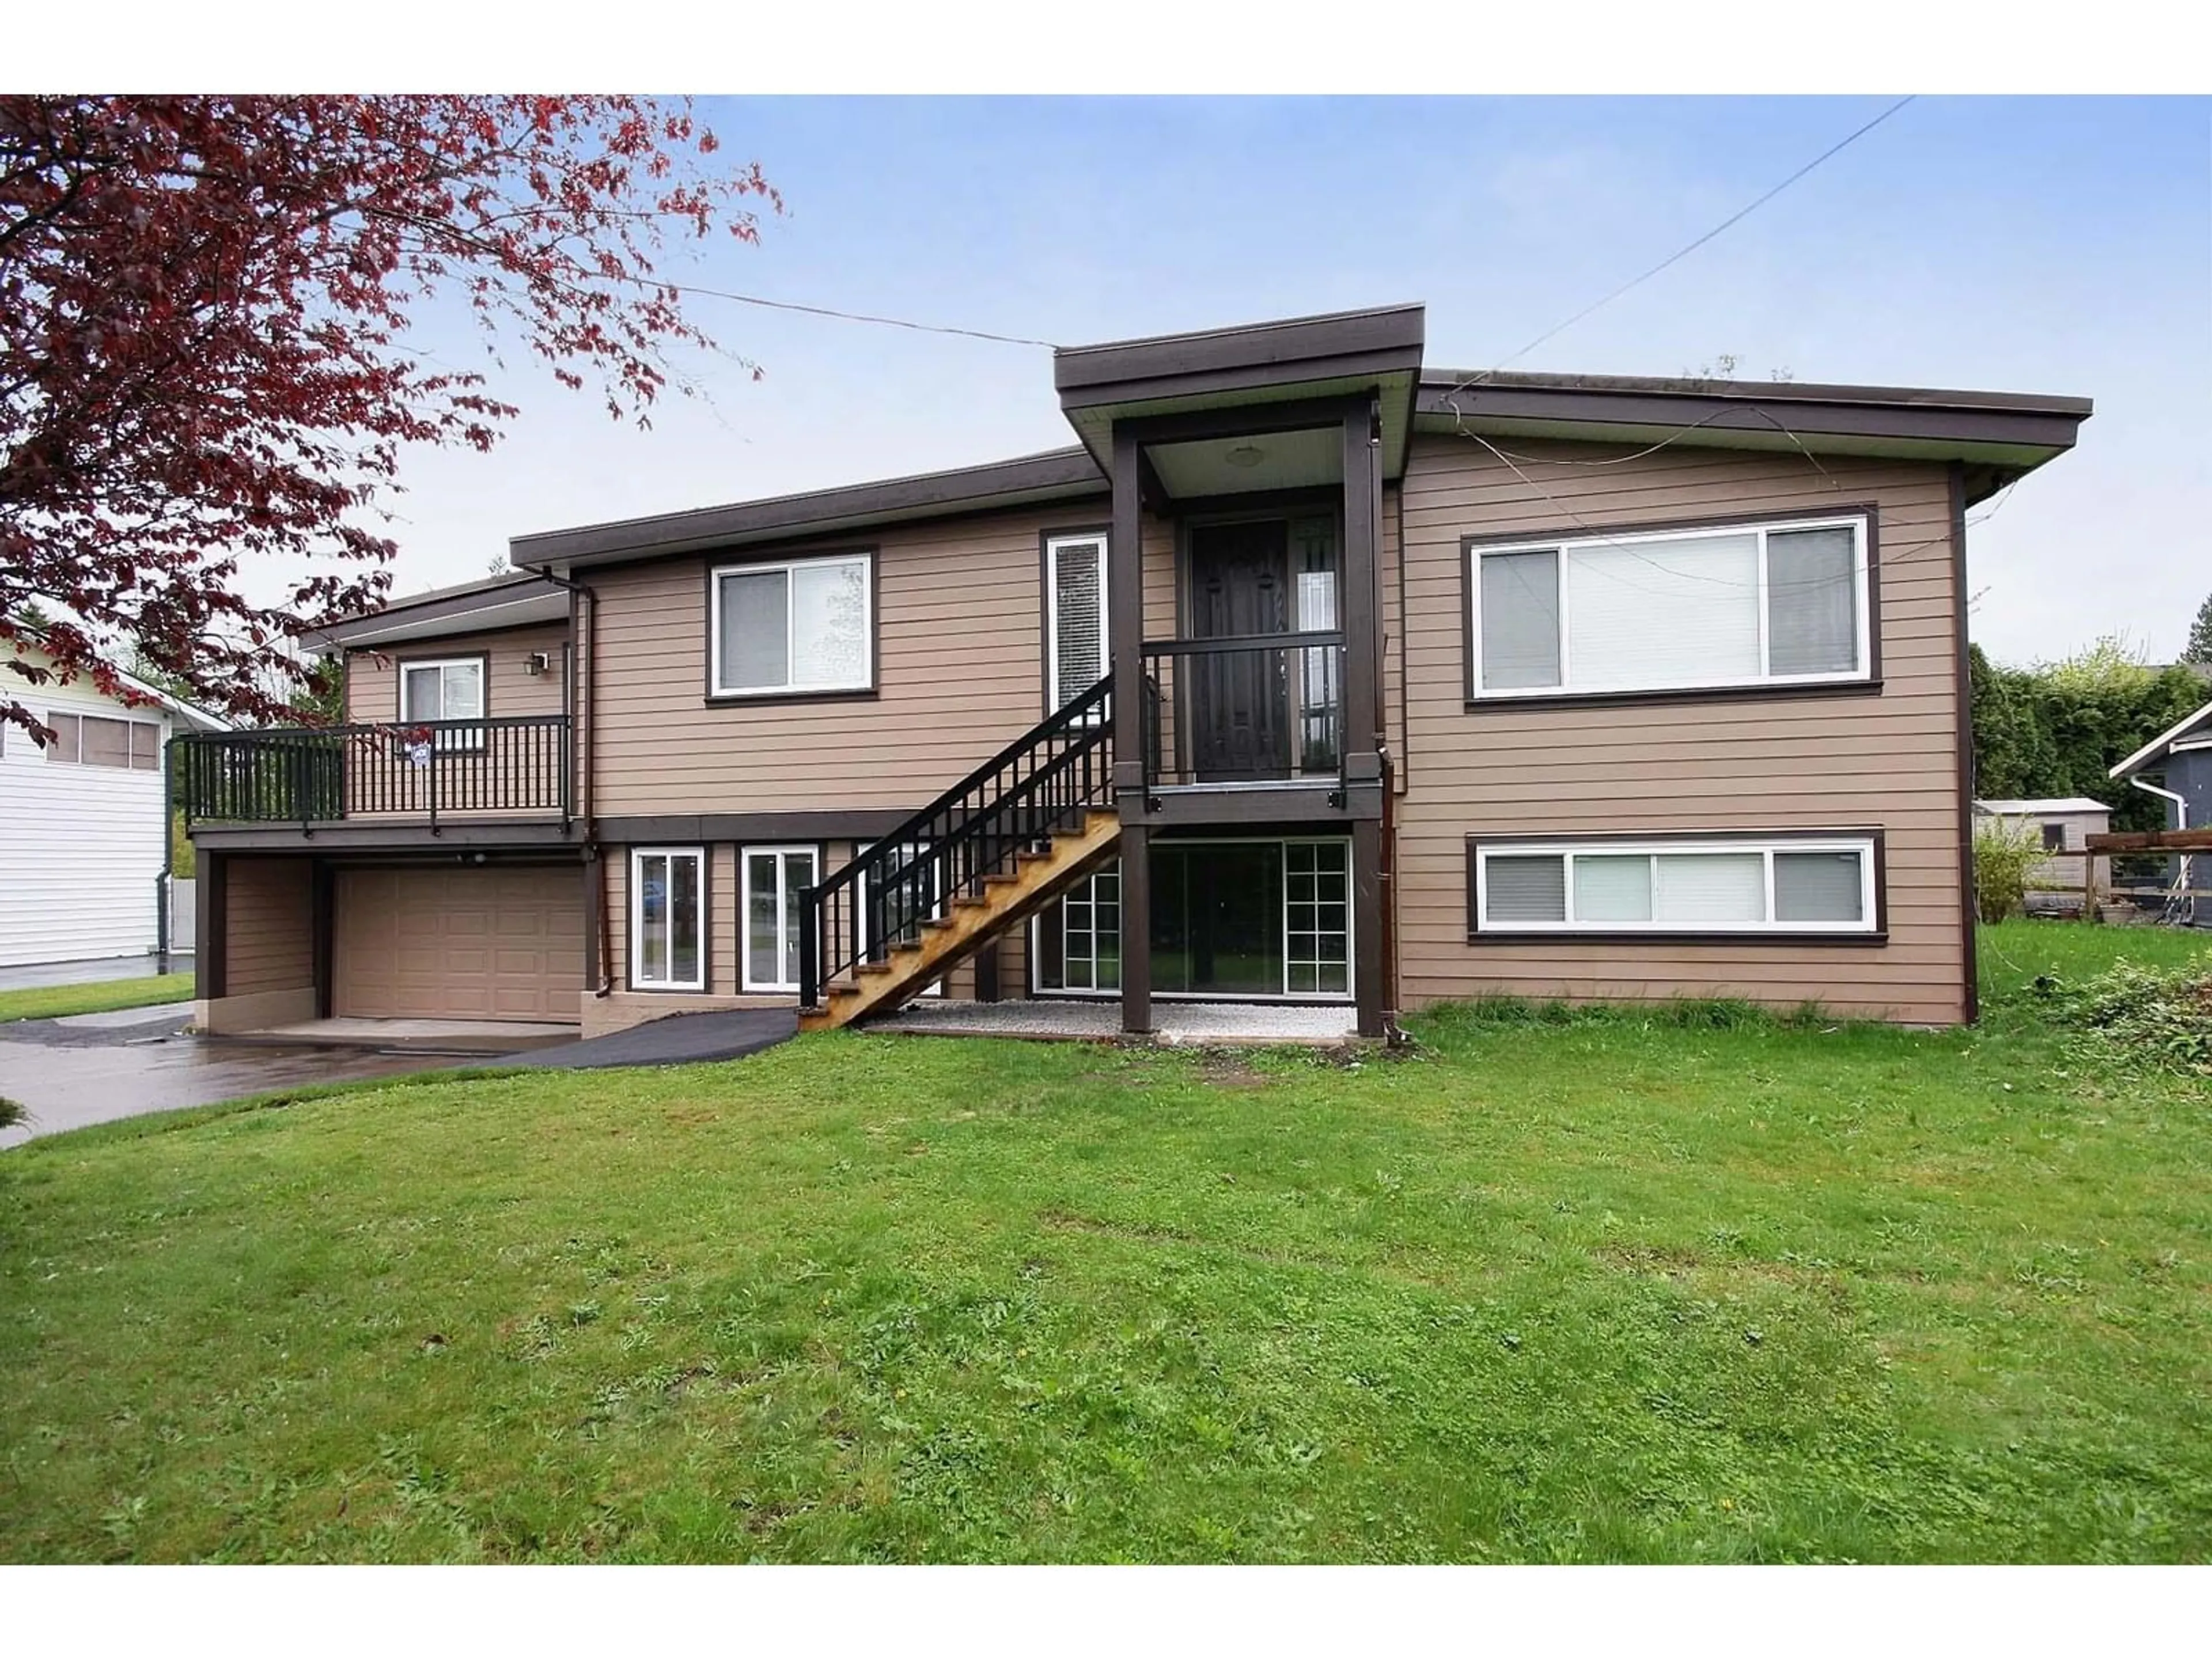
(1246, 455)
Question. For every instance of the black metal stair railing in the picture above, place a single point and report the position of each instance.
(1046, 779)
(409, 770)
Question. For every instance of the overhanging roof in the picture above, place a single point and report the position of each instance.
(510, 599)
(2004, 434)
(1056, 475)
(1342, 354)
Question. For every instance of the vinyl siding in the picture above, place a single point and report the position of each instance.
(80, 847)
(269, 931)
(1818, 762)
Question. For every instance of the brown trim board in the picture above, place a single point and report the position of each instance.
(1969, 944)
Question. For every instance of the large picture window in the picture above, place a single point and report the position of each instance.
(1749, 604)
(1075, 598)
(805, 625)
(1797, 885)
(668, 911)
(774, 878)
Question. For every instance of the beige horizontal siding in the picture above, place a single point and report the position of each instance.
(372, 677)
(1887, 761)
(725, 929)
(268, 926)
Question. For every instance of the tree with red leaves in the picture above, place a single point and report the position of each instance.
(204, 309)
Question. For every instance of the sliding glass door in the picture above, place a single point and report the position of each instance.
(1229, 918)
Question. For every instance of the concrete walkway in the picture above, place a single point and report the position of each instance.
(1247, 1025)
(40, 974)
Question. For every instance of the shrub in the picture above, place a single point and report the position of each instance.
(2004, 852)
(11, 1113)
(2161, 1016)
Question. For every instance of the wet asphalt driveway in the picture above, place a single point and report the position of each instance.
(91, 1068)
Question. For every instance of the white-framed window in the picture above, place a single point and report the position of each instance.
(1709, 884)
(774, 878)
(449, 688)
(1783, 603)
(668, 918)
(796, 626)
(1077, 655)
(442, 690)
(99, 740)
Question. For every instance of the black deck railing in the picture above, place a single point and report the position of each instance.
(1253, 709)
(1044, 780)
(423, 769)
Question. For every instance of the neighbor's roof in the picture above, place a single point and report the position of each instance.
(509, 599)
(2155, 751)
(2017, 808)
(191, 714)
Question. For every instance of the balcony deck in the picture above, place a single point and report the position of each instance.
(465, 782)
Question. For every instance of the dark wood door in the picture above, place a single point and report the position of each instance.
(1238, 710)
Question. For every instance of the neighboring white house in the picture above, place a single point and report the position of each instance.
(83, 829)
(2064, 824)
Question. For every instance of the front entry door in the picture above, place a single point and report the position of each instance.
(1239, 706)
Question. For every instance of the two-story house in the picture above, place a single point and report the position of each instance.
(1310, 673)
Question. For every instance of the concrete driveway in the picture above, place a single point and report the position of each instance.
(91, 1068)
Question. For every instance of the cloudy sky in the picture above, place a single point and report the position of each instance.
(2055, 246)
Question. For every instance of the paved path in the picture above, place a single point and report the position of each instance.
(677, 1040)
(89, 973)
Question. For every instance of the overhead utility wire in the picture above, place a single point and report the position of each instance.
(850, 316)
(1688, 248)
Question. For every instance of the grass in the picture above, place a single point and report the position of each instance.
(1698, 1285)
(53, 1001)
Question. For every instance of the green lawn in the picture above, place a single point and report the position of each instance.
(52, 1001)
(1604, 1289)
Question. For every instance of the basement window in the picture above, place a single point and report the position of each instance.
(1783, 885)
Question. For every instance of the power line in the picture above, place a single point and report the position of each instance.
(849, 316)
(1689, 248)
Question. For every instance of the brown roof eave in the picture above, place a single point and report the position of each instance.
(1055, 475)
(1920, 415)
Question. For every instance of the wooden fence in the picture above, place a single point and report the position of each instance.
(2095, 891)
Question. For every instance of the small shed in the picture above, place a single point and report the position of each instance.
(2064, 825)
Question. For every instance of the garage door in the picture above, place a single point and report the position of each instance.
(483, 943)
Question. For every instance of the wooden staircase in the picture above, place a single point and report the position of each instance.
(970, 922)
(998, 845)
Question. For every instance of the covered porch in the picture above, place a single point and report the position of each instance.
(1244, 603)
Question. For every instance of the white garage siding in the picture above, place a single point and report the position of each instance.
(80, 847)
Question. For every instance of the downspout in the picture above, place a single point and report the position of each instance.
(2185, 867)
(586, 794)
(161, 883)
